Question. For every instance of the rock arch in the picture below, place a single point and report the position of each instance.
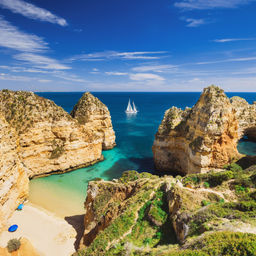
(205, 136)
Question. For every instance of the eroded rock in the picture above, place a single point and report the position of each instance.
(204, 137)
(91, 112)
(50, 139)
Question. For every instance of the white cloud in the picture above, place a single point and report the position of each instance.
(44, 81)
(12, 38)
(155, 68)
(69, 77)
(31, 11)
(29, 45)
(107, 55)
(210, 4)
(116, 73)
(145, 76)
(226, 40)
(40, 61)
(194, 22)
(4, 76)
(228, 60)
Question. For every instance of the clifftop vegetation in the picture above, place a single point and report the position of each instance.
(199, 214)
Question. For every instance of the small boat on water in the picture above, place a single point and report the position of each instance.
(131, 109)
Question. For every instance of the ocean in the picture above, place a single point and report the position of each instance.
(64, 194)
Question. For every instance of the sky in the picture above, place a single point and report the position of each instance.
(121, 45)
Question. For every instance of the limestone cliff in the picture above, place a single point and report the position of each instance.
(246, 115)
(205, 136)
(13, 178)
(50, 139)
(142, 214)
(91, 112)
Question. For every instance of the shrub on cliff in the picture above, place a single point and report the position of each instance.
(226, 243)
(211, 179)
(13, 245)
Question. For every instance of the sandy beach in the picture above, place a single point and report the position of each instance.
(50, 235)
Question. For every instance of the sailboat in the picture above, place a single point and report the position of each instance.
(134, 107)
(130, 109)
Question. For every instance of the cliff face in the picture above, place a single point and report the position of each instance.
(13, 178)
(50, 139)
(91, 112)
(246, 116)
(142, 214)
(204, 137)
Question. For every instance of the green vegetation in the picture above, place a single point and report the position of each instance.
(211, 179)
(129, 176)
(13, 245)
(145, 226)
(226, 243)
(58, 149)
(219, 243)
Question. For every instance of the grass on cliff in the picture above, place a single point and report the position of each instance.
(243, 184)
(144, 227)
(123, 224)
(213, 244)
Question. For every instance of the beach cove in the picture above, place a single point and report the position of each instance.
(64, 194)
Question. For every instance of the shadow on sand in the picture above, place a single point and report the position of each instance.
(77, 222)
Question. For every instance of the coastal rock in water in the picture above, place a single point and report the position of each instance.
(246, 115)
(204, 137)
(92, 113)
(13, 177)
(50, 139)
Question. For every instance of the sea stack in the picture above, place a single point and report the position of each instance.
(50, 139)
(205, 136)
(92, 113)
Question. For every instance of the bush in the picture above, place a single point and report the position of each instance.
(218, 178)
(129, 176)
(205, 203)
(13, 245)
(233, 167)
(206, 184)
(227, 244)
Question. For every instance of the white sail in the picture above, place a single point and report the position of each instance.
(129, 108)
(134, 108)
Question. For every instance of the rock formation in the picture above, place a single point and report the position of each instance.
(246, 116)
(143, 214)
(50, 139)
(91, 112)
(205, 136)
(13, 178)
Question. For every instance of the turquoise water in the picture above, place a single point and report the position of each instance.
(65, 193)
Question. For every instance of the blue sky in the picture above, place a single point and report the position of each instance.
(120, 45)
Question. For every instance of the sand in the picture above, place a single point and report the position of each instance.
(50, 235)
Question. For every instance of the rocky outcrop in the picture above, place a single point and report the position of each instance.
(110, 203)
(50, 139)
(13, 177)
(142, 214)
(205, 136)
(246, 116)
(91, 112)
